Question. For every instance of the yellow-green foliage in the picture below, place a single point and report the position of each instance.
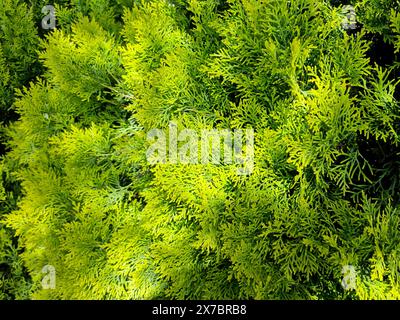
(18, 42)
(324, 190)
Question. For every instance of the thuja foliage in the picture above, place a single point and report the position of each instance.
(324, 190)
(18, 43)
(18, 64)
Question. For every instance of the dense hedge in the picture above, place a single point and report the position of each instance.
(78, 193)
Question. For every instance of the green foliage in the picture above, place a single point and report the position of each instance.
(375, 15)
(323, 193)
(14, 281)
(18, 44)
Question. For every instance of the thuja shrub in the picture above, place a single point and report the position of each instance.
(321, 198)
(18, 65)
(18, 59)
